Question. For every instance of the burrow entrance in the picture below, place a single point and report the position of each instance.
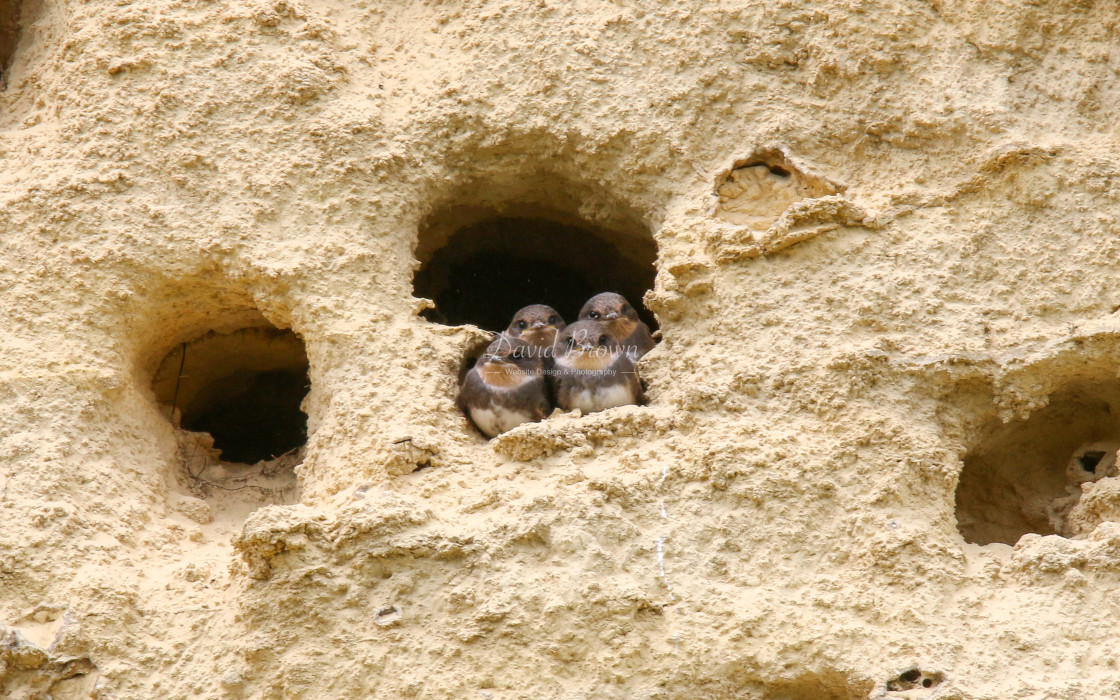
(756, 191)
(1032, 475)
(914, 679)
(236, 398)
(9, 36)
(823, 686)
(482, 268)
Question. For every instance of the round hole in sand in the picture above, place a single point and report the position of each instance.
(756, 191)
(243, 388)
(1090, 459)
(9, 35)
(816, 686)
(480, 267)
(1024, 476)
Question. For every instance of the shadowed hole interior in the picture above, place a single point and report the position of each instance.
(914, 678)
(1090, 460)
(824, 686)
(9, 35)
(1013, 479)
(776, 169)
(484, 270)
(244, 388)
(756, 192)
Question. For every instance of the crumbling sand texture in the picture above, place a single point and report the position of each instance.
(779, 523)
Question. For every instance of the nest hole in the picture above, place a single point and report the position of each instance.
(825, 686)
(1027, 476)
(244, 389)
(1090, 460)
(756, 191)
(9, 35)
(480, 268)
(913, 679)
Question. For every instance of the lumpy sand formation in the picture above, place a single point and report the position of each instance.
(248, 247)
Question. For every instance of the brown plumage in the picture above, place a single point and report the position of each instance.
(619, 314)
(537, 325)
(593, 372)
(505, 388)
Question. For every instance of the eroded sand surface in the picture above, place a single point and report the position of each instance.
(938, 289)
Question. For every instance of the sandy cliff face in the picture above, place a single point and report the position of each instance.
(886, 243)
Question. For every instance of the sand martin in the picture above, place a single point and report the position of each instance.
(592, 371)
(614, 310)
(505, 388)
(537, 325)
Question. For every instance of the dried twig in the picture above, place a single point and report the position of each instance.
(178, 381)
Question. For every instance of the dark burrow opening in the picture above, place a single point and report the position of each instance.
(244, 388)
(481, 270)
(1090, 460)
(1026, 476)
(814, 686)
(9, 35)
(915, 678)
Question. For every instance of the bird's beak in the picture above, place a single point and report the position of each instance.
(538, 325)
(612, 316)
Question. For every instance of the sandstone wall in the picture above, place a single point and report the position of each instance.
(887, 240)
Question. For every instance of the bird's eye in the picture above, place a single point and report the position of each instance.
(603, 340)
(522, 325)
(626, 309)
(595, 315)
(552, 319)
(571, 343)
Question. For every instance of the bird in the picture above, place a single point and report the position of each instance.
(593, 372)
(537, 325)
(505, 388)
(625, 326)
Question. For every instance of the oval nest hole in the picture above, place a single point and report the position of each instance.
(481, 272)
(912, 684)
(1053, 473)
(237, 400)
(758, 190)
(9, 36)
